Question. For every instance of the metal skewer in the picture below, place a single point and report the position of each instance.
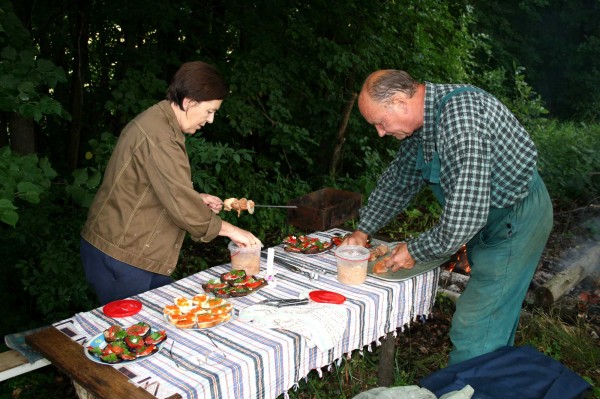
(275, 206)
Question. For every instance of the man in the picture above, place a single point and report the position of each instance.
(481, 165)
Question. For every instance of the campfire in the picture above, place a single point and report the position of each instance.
(459, 263)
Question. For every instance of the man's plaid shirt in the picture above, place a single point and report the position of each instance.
(487, 160)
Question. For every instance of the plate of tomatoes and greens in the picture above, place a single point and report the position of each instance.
(303, 244)
(118, 344)
(235, 283)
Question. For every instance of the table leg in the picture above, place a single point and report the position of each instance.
(81, 392)
(387, 354)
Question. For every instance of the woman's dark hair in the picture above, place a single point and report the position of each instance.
(198, 81)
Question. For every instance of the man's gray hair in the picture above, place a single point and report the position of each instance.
(383, 85)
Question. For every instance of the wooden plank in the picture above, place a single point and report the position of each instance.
(102, 381)
(11, 359)
(12, 364)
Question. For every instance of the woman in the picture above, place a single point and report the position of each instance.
(146, 203)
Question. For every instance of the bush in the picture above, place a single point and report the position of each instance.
(569, 162)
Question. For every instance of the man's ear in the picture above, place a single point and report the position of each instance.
(398, 101)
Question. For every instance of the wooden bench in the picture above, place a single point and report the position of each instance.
(12, 364)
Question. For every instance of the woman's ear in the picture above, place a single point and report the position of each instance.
(186, 104)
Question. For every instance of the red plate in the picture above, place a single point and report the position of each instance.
(326, 297)
(122, 308)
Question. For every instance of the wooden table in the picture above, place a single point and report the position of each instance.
(260, 362)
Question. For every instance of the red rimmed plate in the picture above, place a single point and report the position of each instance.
(323, 296)
(122, 308)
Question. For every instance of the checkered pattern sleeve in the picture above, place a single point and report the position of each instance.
(395, 188)
(487, 159)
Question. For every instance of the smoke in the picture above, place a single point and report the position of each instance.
(586, 248)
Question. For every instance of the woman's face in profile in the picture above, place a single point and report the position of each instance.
(197, 114)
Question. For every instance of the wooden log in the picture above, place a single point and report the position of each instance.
(567, 279)
(387, 355)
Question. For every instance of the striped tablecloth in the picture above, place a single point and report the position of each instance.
(258, 362)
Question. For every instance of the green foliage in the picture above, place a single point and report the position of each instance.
(22, 179)
(288, 95)
(25, 78)
(569, 162)
(226, 172)
(137, 91)
(41, 257)
(86, 181)
(55, 276)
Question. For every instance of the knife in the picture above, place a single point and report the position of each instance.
(293, 268)
(275, 206)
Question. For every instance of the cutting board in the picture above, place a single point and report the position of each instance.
(403, 274)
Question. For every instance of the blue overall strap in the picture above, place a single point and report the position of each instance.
(448, 96)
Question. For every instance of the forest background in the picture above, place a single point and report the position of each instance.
(73, 73)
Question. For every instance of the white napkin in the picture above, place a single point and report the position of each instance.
(322, 324)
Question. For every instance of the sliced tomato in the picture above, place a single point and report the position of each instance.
(140, 329)
(128, 355)
(156, 337)
(117, 349)
(134, 341)
(233, 275)
(337, 240)
(110, 334)
(254, 284)
(290, 240)
(145, 350)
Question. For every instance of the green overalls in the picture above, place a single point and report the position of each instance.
(503, 257)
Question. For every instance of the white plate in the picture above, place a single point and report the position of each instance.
(99, 341)
(203, 328)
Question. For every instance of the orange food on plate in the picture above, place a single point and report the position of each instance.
(174, 318)
(186, 322)
(184, 304)
(200, 300)
(214, 302)
(202, 311)
(220, 310)
(378, 251)
(380, 267)
(208, 320)
(170, 310)
(198, 310)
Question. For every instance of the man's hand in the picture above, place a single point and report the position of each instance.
(359, 238)
(400, 259)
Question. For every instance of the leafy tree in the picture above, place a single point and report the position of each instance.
(24, 179)
(26, 81)
(557, 43)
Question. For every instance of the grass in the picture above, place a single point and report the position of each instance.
(573, 344)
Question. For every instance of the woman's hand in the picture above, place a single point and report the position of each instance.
(213, 203)
(241, 237)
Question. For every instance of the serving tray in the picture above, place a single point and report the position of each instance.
(403, 274)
